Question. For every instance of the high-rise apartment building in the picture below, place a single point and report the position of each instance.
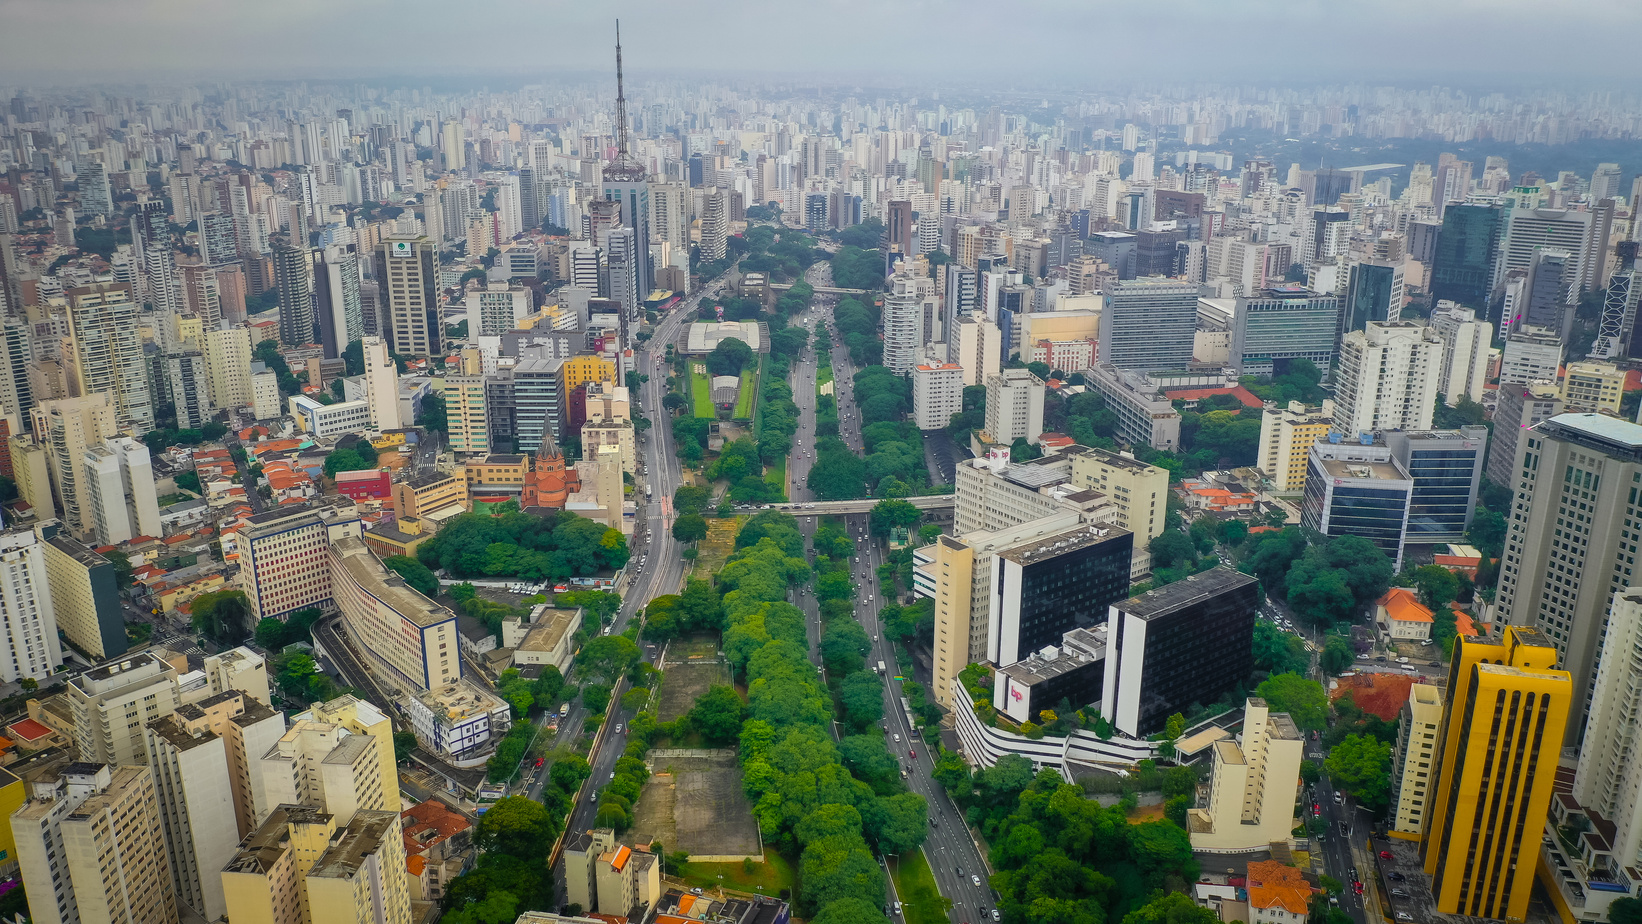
(29, 648)
(119, 483)
(1465, 343)
(1531, 354)
(467, 427)
(538, 403)
(381, 385)
(1148, 324)
(1286, 438)
(202, 757)
(108, 352)
(1609, 778)
(1388, 379)
(1520, 407)
(90, 845)
(1414, 762)
(496, 309)
(85, 597)
(1507, 709)
(1252, 784)
(715, 223)
(294, 277)
(408, 274)
(228, 367)
(937, 394)
(909, 299)
(1588, 386)
(68, 427)
(976, 345)
(1014, 406)
(189, 387)
(1569, 543)
(1138, 491)
(338, 308)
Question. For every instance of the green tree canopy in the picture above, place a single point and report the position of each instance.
(1302, 699)
(1361, 765)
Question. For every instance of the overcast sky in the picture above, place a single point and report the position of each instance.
(1017, 42)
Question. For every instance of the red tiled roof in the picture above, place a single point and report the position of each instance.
(1401, 604)
(28, 730)
(1197, 394)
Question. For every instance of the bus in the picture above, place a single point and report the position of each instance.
(564, 710)
(880, 667)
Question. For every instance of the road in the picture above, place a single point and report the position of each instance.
(1339, 859)
(949, 847)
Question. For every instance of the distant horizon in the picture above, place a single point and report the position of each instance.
(1032, 43)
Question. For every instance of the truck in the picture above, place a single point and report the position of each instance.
(564, 710)
(880, 667)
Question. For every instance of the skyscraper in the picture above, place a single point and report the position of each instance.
(151, 233)
(1014, 406)
(1506, 711)
(293, 275)
(408, 273)
(1462, 270)
(68, 427)
(119, 482)
(1465, 342)
(108, 352)
(28, 626)
(1609, 778)
(626, 183)
(904, 309)
(715, 222)
(189, 387)
(336, 298)
(1374, 292)
(381, 385)
(1569, 546)
(1273, 327)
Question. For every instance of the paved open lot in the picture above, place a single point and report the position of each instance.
(682, 683)
(693, 802)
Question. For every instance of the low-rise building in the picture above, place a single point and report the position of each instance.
(1073, 671)
(396, 537)
(549, 639)
(1401, 616)
(1278, 894)
(425, 495)
(328, 421)
(1144, 413)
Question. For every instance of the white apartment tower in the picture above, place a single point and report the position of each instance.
(381, 385)
(937, 394)
(1609, 778)
(29, 625)
(909, 298)
(1465, 342)
(108, 352)
(1388, 380)
(119, 480)
(1014, 406)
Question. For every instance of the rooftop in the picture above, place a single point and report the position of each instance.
(358, 841)
(1035, 551)
(364, 569)
(1362, 471)
(1171, 598)
(548, 627)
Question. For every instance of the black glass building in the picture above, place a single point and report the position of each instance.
(1463, 268)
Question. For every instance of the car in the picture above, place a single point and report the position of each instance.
(1436, 664)
(994, 914)
(1355, 879)
(1345, 829)
(975, 879)
(1357, 887)
(1334, 899)
(912, 754)
(1316, 809)
(1410, 669)
(1399, 893)
(1385, 854)
(618, 728)
(1399, 877)
(1404, 916)
(1380, 658)
(1402, 660)
(612, 775)
(959, 869)
(1339, 798)
(695, 891)
(897, 739)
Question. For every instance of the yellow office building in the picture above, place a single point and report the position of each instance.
(579, 370)
(1503, 726)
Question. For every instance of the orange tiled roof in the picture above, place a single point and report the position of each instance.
(1464, 625)
(1401, 604)
(1273, 885)
(1197, 394)
(415, 863)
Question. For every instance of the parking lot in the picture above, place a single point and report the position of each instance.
(1404, 887)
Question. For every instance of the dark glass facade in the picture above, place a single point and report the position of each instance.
(1066, 591)
(1441, 506)
(1376, 514)
(1463, 267)
(1368, 296)
(1196, 651)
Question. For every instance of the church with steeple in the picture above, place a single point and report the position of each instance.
(550, 482)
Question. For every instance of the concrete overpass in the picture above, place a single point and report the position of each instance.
(829, 508)
(823, 290)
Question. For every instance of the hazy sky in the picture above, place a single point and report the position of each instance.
(1019, 42)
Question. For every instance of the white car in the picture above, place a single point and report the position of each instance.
(975, 879)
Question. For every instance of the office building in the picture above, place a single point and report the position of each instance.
(85, 597)
(1507, 709)
(1358, 489)
(1388, 379)
(1414, 761)
(338, 307)
(90, 846)
(1147, 325)
(201, 758)
(1049, 585)
(1138, 491)
(28, 626)
(189, 388)
(1531, 354)
(1182, 643)
(1276, 326)
(228, 370)
(1519, 407)
(1073, 670)
(1568, 544)
(1286, 438)
(381, 386)
(1462, 269)
(119, 488)
(108, 352)
(976, 345)
(937, 394)
(538, 403)
(283, 558)
(1446, 468)
(1530, 233)
(1252, 784)
(1374, 292)
(1609, 778)
(1588, 386)
(405, 633)
(329, 421)
(1465, 346)
(430, 495)
(1014, 406)
(407, 272)
(1144, 414)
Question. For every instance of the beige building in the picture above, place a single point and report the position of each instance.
(361, 877)
(381, 385)
(465, 414)
(85, 597)
(606, 876)
(91, 848)
(302, 867)
(202, 778)
(265, 399)
(114, 702)
(1251, 792)
(425, 494)
(1286, 438)
(326, 765)
(1414, 762)
(31, 469)
(1592, 387)
(548, 640)
(609, 423)
(228, 367)
(68, 427)
(1139, 491)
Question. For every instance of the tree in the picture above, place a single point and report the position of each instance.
(690, 527)
(1278, 652)
(596, 697)
(187, 481)
(1171, 546)
(29, 684)
(729, 357)
(896, 824)
(124, 574)
(1302, 699)
(517, 826)
(1361, 766)
(1437, 586)
(718, 715)
(691, 499)
(270, 634)
(433, 412)
(415, 574)
(889, 515)
(221, 615)
(856, 910)
(608, 656)
(403, 744)
(1625, 910)
(1337, 656)
(1310, 772)
(862, 695)
(1162, 848)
